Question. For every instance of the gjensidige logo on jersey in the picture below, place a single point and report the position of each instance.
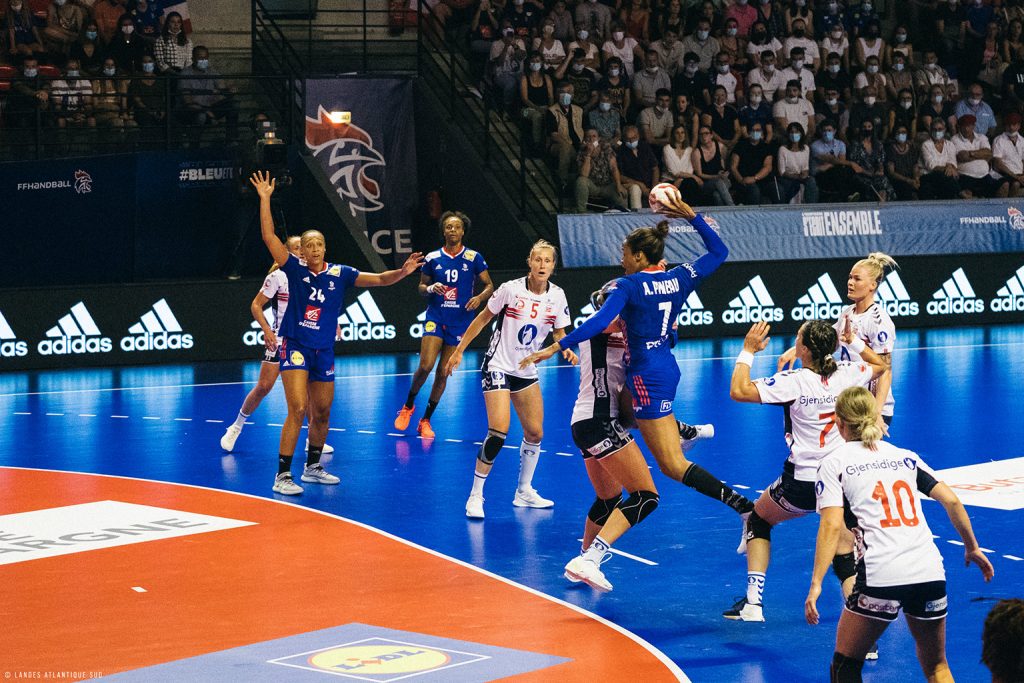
(74, 333)
(821, 302)
(363, 321)
(754, 304)
(349, 155)
(10, 345)
(157, 330)
(1010, 297)
(955, 297)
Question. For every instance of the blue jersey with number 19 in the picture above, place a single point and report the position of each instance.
(314, 302)
(457, 273)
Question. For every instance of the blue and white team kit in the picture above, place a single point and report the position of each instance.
(308, 329)
(447, 316)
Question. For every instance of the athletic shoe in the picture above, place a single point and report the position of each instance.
(688, 439)
(588, 572)
(475, 506)
(529, 498)
(744, 611)
(327, 449)
(316, 474)
(227, 442)
(404, 415)
(285, 485)
(742, 548)
(424, 429)
(872, 653)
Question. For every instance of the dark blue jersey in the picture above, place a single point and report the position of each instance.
(458, 274)
(314, 302)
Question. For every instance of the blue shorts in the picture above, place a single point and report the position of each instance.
(653, 393)
(450, 334)
(319, 363)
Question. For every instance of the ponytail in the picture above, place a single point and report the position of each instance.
(856, 407)
(649, 241)
(821, 340)
(876, 264)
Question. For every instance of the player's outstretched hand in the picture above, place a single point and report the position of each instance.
(978, 557)
(570, 356)
(453, 363)
(787, 361)
(412, 263)
(538, 356)
(757, 337)
(264, 183)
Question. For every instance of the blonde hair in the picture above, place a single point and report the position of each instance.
(287, 239)
(856, 408)
(543, 244)
(875, 264)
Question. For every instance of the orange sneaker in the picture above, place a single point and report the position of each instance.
(402, 421)
(425, 430)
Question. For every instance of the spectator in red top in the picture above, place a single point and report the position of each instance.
(107, 14)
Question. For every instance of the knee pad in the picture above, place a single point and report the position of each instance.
(845, 669)
(602, 509)
(844, 566)
(491, 446)
(638, 506)
(758, 528)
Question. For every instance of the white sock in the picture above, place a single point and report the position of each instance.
(478, 484)
(529, 454)
(755, 587)
(595, 553)
(240, 420)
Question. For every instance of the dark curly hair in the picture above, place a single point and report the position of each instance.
(821, 339)
(1002, 641)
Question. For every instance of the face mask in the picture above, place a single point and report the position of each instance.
(723, 68)
(548, 30)
(16, 8)
(535, 66)
(793, 99)
(518, 3)
(829, 135)
(833, 68)
(173, 30)
(837, 36)
(872, 69)
(74, 73)
(690, 69)
(975, 101)
(613, 72)
(31, 73)
(618, 36)
(605, 106)
(632, 144)
(508, 32)
(769, 68)
(583, 35)
(906, 104)
(91, 35)
(798, 64)
(937, 99)
(932, 66)
(870, 101)
(565, 99)
(1012, 133)
(594, 143)
(731, 31)
(128, 29)
(702, 35)
(801, 3)
(577, 68)
(755, 135)
(755, 100)
(901, 137)
(148, 67)
(109, 71)
(795, 137)
(938, 134)
(203, 64)
(898, 66)
(901, 37)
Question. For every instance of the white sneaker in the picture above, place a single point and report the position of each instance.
(529, 498)
(872, 653)
(285, 485)
(227, 442)
(588, 572)
(744, 611)
(701, 432)
(475, 506)
(316, 474)
(742, 548)
(328, 448)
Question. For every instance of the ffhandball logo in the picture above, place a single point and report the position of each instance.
(157, 330)
(80, 182)
(347, 153)
(10, 345)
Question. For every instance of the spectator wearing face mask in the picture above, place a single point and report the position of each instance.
(773, 18)
(616, 86)
(649, 81)
(64, 22)
(767, 76)
(757, 110)
(936, 106)
(724, 75)
(702, 44)
(760, 43)
(594, 17)
(867, 159)
(561, 17)
(536, 94)
(626, 48)
(693, 82)
(551, 49)
(585, 41)
(940, 178)
(29, 97)
(744, 14)
(110, 98)
(107, 14)
(671, 18)
(835, 110)
(563, 124)
(899, 78)
(899, 45)
(524, 18)
(871, 76)
(977, 107)
(638, 167)
(836, 41)
(599, 173)
(832, 171)
(734, 45)
(605, 118)
(723, 119)
(205, 97)
(173, 49)
(23, 37)
(901, 165)
(859, 17)
(1008, 154)
(655, 123)
(798, 71)
(127, 48)
(751, 169)
(584, 79)
(87, 50)
(974, 157)
(799, 10)
(833, 76)
(794, 108)
(904, 114)
(635, 16)
(71, 98)
(794, 167)
(505, 65)
(808, 49)
(870, 109)
(147, 95)
(832, 14)
(670, 52)
(933, 74)
(868, 44)
(149, 19)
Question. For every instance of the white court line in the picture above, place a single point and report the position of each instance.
(960, 543)
(150, 417)
(87, 415)
(216, 421)
(119, 417)
(274, 424)
(332, 429)
(568, 455)
(394, 434)
(454, 440)
(628, 556)
(22, 413)
(364, 431)
(1014, 558)
(183, 419)
(741, 486)
(138, 589)
(55, 414)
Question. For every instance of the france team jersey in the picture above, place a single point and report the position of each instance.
(457, 273)
(315, 302)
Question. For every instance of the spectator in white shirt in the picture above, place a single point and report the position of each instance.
(794, 109)
(871, 76)
(801, 40)
(798, 71)
(71, 98)
(622, 46)
(973, 156)
(941, 179)
(767, 76)
(1008, 154)
(723, 74)
(794, 167)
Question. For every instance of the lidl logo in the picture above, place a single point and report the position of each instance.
(956, 296)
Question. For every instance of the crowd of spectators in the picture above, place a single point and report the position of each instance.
(758, 101)
(114, 64)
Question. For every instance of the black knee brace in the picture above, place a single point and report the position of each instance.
(638, 506)
(602, 509)
(845, 669)
(844, 566)
(491, 446)
(758, 528)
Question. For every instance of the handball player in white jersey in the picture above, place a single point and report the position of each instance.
(870, 322)
(527, 309)
(808, 396)
(876, 488)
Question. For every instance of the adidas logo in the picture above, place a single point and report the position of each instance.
(585, 313)
(892, 296)
(10, 347)
(1009, 298)
(693, 312)
(821, 302)
(363, 321)
(955, 296)
(254, 335)
(416, 329)
(157, 330)
(76, 332)
(754, 304)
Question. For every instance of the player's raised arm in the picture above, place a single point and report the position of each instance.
(390, 277)
(264, 184)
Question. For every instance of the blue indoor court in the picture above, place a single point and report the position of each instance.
(957, 405)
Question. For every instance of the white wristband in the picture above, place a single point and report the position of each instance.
(745, 358)
(857, 345)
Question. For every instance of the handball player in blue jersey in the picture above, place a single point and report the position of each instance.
(306, 351)
(447, 280)
(649, 299)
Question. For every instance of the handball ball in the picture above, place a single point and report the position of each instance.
(664, 195)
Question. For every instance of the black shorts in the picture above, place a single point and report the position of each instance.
(919, 600)
(270, 356)
(599, 437)
(791, 494)
(495, 380)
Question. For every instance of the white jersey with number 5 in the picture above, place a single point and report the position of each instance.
(523, 322)
(882, 489)
(276, 286)
(810, 403)
(877, 330)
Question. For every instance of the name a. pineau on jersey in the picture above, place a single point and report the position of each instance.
(656, 287)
